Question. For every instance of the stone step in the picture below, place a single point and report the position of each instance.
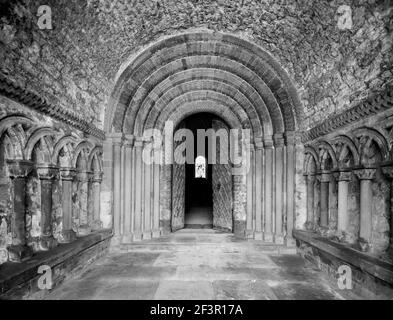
(179, 246)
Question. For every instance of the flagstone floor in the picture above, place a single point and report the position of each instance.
(200, 264)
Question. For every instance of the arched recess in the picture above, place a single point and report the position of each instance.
(347, 153)
(39, 146)
(201, 72)
(373, 146)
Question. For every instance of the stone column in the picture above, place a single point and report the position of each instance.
(148, 200)
(82, 178)
(128, 196)
(138, 145)
(388, 172)
(279, 198)
(310, 201)
(258, 235)
(117, 143)
(156, 201)
(250, 198)
(343, 179)
(96, 180)
(365, 176)
(317, 200)
(19, 170)
(67, 178)
(268, 223)
(325, 181)
(333, 203)
(46, 175)
(290, 187)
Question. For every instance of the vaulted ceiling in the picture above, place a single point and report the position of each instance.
(77, 63)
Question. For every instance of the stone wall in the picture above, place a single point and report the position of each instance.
(356, 158)
(75, 64)
(41, 158)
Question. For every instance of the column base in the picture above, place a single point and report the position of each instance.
(309, 226)
(278, 239)
(249, 234)
(126, 238)
(83, 230)
(156, 233)
(96, 225)
(137, 236)
(268, 237)
(290, 242)
(322, 231)
(19, 253)
(364, 245)
(146, 235)
(258, 235)
(46, 243)
(66, 236)
(116, 240)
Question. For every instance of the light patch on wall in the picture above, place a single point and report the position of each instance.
(344, 17)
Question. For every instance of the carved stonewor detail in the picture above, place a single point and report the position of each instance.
(374, 104)
(365, 173)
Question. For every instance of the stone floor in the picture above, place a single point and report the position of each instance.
(200, 264)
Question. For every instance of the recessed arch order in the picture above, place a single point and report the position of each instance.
(239, 72)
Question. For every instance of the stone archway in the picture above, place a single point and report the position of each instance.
(204, 200)
(201, 72)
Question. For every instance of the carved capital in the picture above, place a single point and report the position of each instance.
(290, 138)
(67, 174)
(83, 176)
(325, 177)
(388, 171)
(258, 143)
(19, 168)
(117, 139)
(365, 173)
(96, 177)
(343, 175)
(311, 178)
(47, 172)
(138, 142)
(268, 142)
(278, 140)
(129, 140)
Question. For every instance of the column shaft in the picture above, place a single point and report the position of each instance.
(67, 177)
(116, 187)
(18, 250)
(250, 189)
(290, 150)
(268, 231)
(279, 199)
(96, 180)
(138, 191)
(324, 200)
(148, 202)
(156, 190)
(310, 201)
(46, 174)
(128, 198)
(258, 191)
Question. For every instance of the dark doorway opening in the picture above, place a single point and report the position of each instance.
(198, 180)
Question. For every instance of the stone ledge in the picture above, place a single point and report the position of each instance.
(364, 266)
(18, 278)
